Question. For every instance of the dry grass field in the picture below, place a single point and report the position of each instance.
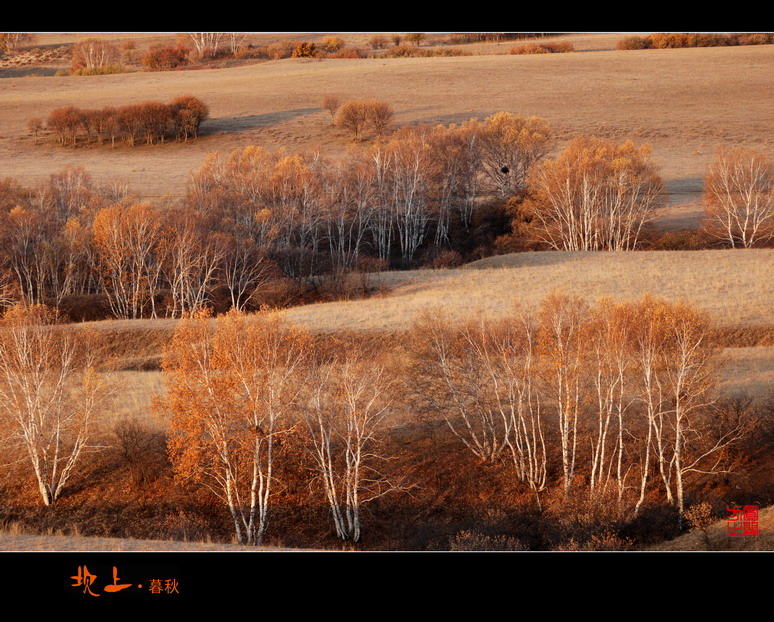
(10, 541)
(735, 288)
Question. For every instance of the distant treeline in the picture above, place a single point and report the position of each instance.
(481, 37)
(149, 122)
(661, 40)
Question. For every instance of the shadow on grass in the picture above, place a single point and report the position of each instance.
(255, 121)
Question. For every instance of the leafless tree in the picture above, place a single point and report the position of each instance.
(345, 416)
(739, 197)
(203, 41)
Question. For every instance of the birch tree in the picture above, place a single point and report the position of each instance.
(49, 393)
(510, 145)
(230, 384)
(739, 197)
(561, 320)
(345, 416)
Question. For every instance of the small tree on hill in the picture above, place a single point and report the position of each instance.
(352, 117)
(35, 126)
(331, 104)
(415, 38)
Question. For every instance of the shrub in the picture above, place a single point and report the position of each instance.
(378, 42)
(280, 50)
(407, 51)
(349, 53)
(332, 44)
(352, 117)
(475, 541)
(304, 50)
(163, 58)
(401, 51)
(415, 38)
(331, 103)
(356, 115)
(633, 43)
(447, 259)
(378, 115)
(98, 71)
(530, 48)
(543, 48)
(662, 40)
(756, 38)
(35, 125)
(246, 51)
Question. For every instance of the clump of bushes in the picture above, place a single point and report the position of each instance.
(663, 40)
(378, 42)
(281, 49)
(304, 50)
(348, 53)
(165, 57)
(332, 44)
(103, 70)
(149, 122)
(543, 48)
(405, 50)
(357, 115)
(447, 259)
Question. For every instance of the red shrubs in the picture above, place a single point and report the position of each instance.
(663, 40)
(543, 48)
(163, 58)
(150, 122)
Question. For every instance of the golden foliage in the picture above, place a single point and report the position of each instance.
(595, 195)
(230, 384)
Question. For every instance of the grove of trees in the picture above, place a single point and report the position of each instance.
(418, 196)
(623, 391)
(595, 195)
(616, 403)
(149, 122)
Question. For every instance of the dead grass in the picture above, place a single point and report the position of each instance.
(60, 543)
(734, 287)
